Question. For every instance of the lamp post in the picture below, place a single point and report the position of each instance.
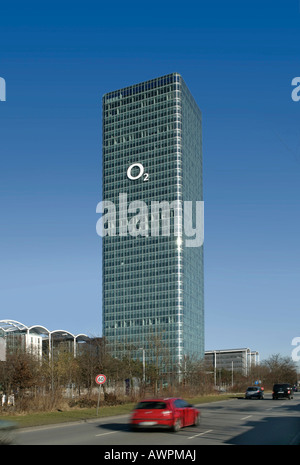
(144, 367)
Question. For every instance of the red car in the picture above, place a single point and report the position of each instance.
(173, 413)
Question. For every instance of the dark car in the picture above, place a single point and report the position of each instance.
(173, 413)
(284, 390)
(254, 392)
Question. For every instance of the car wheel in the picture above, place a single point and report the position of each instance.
(133, 428)
(177, 425)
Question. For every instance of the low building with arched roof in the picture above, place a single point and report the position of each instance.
(16, 337)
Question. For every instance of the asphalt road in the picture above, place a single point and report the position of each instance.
(232, 422)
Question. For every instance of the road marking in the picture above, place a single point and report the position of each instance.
(248, 416)
(103, 434)
(295, 440)
(200, 434)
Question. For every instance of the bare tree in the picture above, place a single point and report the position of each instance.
(278, 369)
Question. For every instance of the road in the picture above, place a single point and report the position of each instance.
(232, 422)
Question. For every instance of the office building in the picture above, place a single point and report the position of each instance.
(38, 341)
(239, 360)
(153, 302)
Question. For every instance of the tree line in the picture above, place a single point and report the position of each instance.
(62, 378)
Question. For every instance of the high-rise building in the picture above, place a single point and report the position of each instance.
(153, 303)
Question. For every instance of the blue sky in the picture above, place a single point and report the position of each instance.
(238, 59)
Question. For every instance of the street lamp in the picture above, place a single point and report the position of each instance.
(144, 368)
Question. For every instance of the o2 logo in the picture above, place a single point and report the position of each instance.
(296, 91)
(139, 172)
(2, 90)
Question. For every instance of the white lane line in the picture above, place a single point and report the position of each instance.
(295, 440)
(200, 434)
(104, 434)
(245, 418)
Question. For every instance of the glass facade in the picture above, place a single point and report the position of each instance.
(240, 360)
(152, 283)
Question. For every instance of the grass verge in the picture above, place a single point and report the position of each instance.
(84, 414)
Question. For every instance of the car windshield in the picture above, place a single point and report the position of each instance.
(252, 389)
(151, 405)
(281, 386)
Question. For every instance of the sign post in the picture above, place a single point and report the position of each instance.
(100, 379)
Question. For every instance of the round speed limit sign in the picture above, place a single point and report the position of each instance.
(100, 379)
